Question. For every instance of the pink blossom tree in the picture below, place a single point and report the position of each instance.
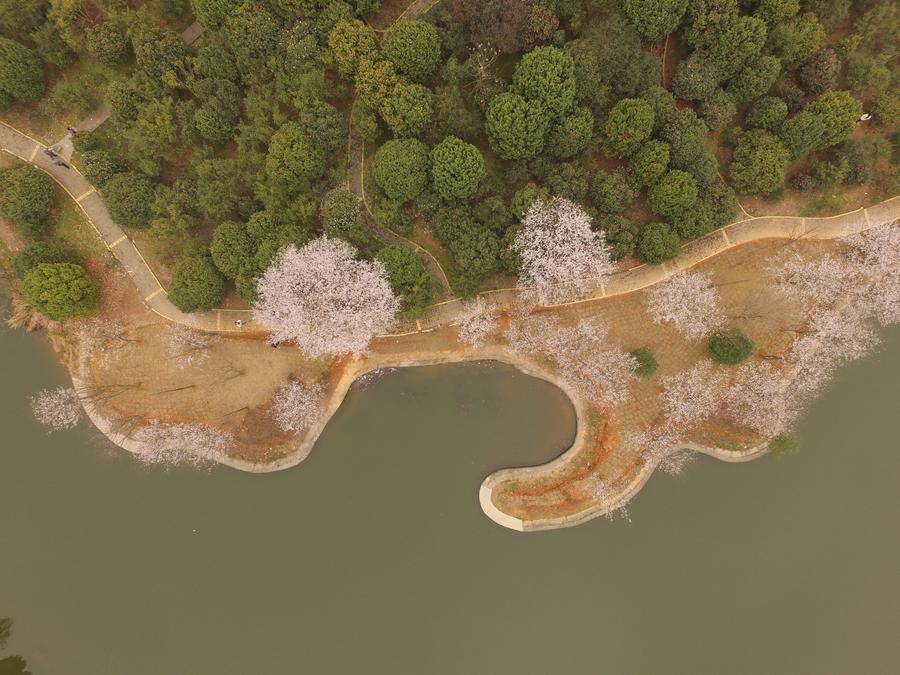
(192, 444)
(689, 301)
(820, 280)
(475, 323)
(296, 406)
(325, 300)
(876, 252)
(692, 396)
(581, 353)
(561, 254)
(760, 399)
(189, 347)
(59, 408)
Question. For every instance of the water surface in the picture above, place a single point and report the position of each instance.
(374, 557)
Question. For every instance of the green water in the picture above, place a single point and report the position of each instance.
(373, 555)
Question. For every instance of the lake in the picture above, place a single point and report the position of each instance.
(373, 555)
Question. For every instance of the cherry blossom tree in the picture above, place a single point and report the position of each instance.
(689, 301)
(604, 494)
(659, 447)
(560, 253)
(692, 396)
(760, 399)
(189, 347)
(600, 371)
(821, 280)
(876, 252)
(296, 406)
(191, 444)
(475, 323)
(325, 300)
(58, 408)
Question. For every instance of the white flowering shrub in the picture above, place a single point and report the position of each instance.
(58, 408)
(295, 405)
(191, 444)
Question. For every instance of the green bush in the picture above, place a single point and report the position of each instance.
(614, 192)
(628, 125)
(231, 249)
(293, 159)
(98, 166)
(457, 168)
(657, 243)
(60, 290)
(401, 168)
(108, 42)
(650, 161)
(26, 197)
(646, 362)
(39, 252)
(408, 278)
(783, 444)
(546, 76)
(196, 284)
(673, 194)
(414, 47)
(572, 134)
(408, 109)
(729, 347)
(768, 113)
(758, 163)
(515, 127)
(129, 197)
(21, 76)
(621, 234)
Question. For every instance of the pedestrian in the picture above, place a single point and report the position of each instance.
(50, 153)
(58, 162)
(72, 131)
(238, 323)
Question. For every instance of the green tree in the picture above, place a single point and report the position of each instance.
(196, 283)
(252, 34)
(838, 112)
(408, 109)
(231, 249)
(796, 40)
(98, 166)
(217, 118)
(546, 75)
(365, 121)
(768, 113)
(323, 124)
(129, 197)
(217, 188)
(26, 197)
(674, 194)
(39, 252)
(650, 161)
(718, 109)
(293, 160)
(572, 134)
(60, 290)
(663, 104)
(655, 18)
(341, 217)
(408, 278)
(414, 47)
(21, 77)
(457, 168)
(108, 42)
(819, 72)
(628, 125)
(401, 168)
(696, 78)
(376, 80)
(614, 192)
(755, 78)
(740, 40)
(657, 243)
(475, 249)
(729, 347)
(351, 42)
(715, 206)
(621, 234)
(515, 127)
(212, 13)
(758, 163)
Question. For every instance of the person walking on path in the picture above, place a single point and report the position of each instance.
(72, 131)
(58, 162)
(50, 153)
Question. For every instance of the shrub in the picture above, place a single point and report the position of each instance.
(614, 192)
(729, 347)
(293, 158)
(546, 75)
(39, 252)
(408, 278)
(524, 197)
(457, 168)
(401, 168)
(655, 18)
(696, 78)
(767, 113)
(108, 42)
(212, 13)
(60, 290)
(621, 234)
(26, 197)
(674, 194)
(819, 72)
(196, 284)
(98, 166)
(515, 127)
(414, 47)
(758, 163)
(646, 362)
(572, 134)
(342, 217)
(717, 110)
(408, 109)
(755, 78)
(21, 76)
(231, 249)
(657, 243)
(129, 197)
(783, 444)
(650, 162)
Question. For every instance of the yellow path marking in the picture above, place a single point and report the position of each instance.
(86, 194)
(478, 300)
(37, 146)
(118, 241)
(866, 214)
(218, 319)
(153, 294)
(725, 234)
(418, 325)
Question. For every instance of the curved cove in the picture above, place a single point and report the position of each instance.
(374, 556)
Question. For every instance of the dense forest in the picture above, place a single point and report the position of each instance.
(654, 115)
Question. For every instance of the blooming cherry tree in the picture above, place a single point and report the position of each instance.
(760, 399)
(559, 250)
(821, 280)
(475, 323)
(691, 396)
(689, 301)
(58, 408)
(295, 405)
(189, 347)
(325, 300)
(193, 444)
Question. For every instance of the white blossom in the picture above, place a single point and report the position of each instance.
(659, 448)
(324, 300)
(691, 396)
(603, 493)
(821, 281)
(559, 251)
(193, 444)
(101, 338)
(759, 399)
(295, 405)
(475, 323)
(600, 371)
(58, 408)
(689, 301)
(877, 250)
(882, 299)
(189, 347)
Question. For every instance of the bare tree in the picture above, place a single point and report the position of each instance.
(102, 337)
(600, 371)
(475, 323)
(325, 300)
(189, 347)
(689, 301)
(295, 405)
(559, 250)
(692, 396)
(191, 444)
(58, 408)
